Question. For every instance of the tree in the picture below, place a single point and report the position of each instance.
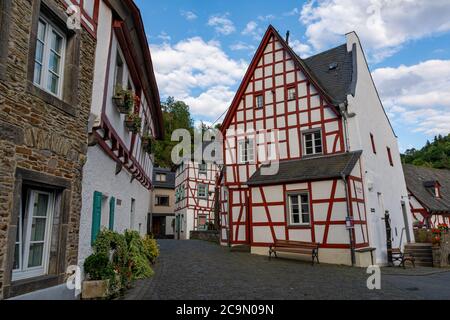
(176, 115)
(432, 155)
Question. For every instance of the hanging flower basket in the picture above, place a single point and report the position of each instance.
(123, 100)
(148, 143)
(133, 123)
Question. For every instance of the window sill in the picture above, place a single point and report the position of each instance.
(25, 286)
(50, 99)
(297, 227)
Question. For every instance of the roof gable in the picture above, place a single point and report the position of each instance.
(299, 64)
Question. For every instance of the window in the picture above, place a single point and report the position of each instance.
(291, 94)
(32, 248)
(299, 213)
(161, 177)
(132, 213)
(202, 222)
(391, 162)
(118, 83)
(259, 101)
(202, 167)
(312, 142)
(202, 191)
(162, 201)
(373, 144)
(49, 58)
(246, 151)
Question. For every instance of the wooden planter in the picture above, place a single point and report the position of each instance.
(121, 104)
(95, 289)
(129, 124)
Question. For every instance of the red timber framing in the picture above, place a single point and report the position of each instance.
(420, 213)
(270, 216)
(88, 21)
(131, 157)
(190, 177)
(273, 72)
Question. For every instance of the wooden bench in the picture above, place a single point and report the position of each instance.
(299, 247)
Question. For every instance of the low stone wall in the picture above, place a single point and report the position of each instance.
(441, 253)
(211, 236)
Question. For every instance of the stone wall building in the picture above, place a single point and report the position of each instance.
(46, 70)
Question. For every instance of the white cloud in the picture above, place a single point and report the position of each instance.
(418, 95)
(199, 73)
(240, 45)
(293, 12)
(252, 29)
(164, 36)
(267, 17)
(383, 26)
(188, 15)
(222, 24)
(301, 48)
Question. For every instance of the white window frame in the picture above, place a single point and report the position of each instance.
(158, 200)
(246, 150)
(43, 81)
(289, 92)
(24, 272)
(300, 204)
(201, 166)
(205, 196)
(259, 101)
(314, 146)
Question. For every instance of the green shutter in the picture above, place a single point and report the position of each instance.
(112, 209)
(96, 215)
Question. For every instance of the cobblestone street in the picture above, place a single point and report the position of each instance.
(191, 270)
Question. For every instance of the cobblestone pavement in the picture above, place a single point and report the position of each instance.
(195, 270)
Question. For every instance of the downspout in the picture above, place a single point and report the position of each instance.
(350, 233)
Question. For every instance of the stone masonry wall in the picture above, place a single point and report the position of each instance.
(37, 136)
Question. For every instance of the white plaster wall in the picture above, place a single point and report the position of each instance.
(388, 183)
(99, 175)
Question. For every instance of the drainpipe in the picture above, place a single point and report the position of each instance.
(350, 234)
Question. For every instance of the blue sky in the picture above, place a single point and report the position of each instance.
(201, 50)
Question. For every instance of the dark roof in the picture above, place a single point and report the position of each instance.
(333, 69)
(418, 182)
(170, 181)
(317, 168)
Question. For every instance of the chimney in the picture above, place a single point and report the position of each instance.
(287, 36)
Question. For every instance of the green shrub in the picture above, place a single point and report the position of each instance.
(98, 267)
(140, 265)
(151, 248)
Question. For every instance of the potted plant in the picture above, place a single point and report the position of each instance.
(123, 100)
(100, 272)
(148, 143)
(133, 122)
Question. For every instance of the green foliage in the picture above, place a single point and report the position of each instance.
(98, 267)
(176, 115)
(121, 258)
(139, 263)
(151, 248)
(434, 155)
(127, 96)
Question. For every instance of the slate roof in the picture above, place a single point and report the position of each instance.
(417, 178)
(170, 181)
(336, 81)
(317, 168)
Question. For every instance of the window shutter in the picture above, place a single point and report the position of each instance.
(112, 210)
(96, 215)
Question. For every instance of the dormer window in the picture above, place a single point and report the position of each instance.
(160, 177)
(434, 187)
(437, 190)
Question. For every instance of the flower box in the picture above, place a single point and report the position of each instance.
(98, 289)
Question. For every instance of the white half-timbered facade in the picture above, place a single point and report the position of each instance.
(195, 185)
(117, 175)
(300, 160)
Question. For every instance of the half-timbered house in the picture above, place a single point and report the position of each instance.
(310, 155)
(195, 185)
(429, 195)
(118, 172)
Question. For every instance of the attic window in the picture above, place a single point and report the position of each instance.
(333, 66)
(433, 186)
